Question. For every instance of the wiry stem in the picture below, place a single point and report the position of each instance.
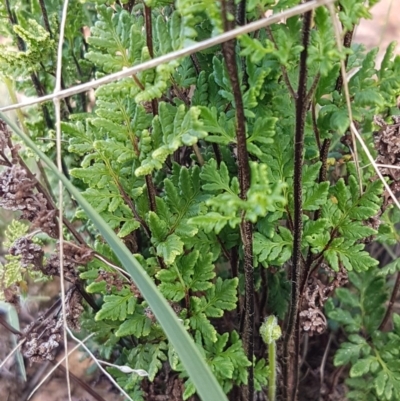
(88, 388)
(151, 191)
(246, 229)
(291, 342)
(241, 13)
(45, 17)
(391, 302)
(285, 75)
(131, 205)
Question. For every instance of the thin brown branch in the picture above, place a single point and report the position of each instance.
(151, 191)
(81, 383)
(348, 37)
(241, 13)
(45, 17)
(137, 82)
(196, 63)
(285, 75)
(149, 43)
(131, 205)
(291, 341)
(392, 300)
(323, 157)
(217, 153)
(198, 154)
(7, 325)
(246, 229)
(313, 87)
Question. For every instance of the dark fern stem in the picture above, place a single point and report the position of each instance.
(291, 340)
(149, 43)
(241, 13)
(392, 301)
(246, 228)
(45, 17)
(151, 191)
(241, 20)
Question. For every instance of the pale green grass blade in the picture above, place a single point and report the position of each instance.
(199, 372)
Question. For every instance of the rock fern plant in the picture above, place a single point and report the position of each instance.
(231, 175)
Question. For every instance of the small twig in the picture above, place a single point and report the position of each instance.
(305, 349)
(137, 82)
(199, 156)
(151, 192)
(112, 265)
(385, 166)
(324, 358)
(196, 63)
(57, 88)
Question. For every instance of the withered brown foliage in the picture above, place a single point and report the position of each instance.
(18, 193)
(44, 335)
(387, 143)
(73, 256)
(31, 254)
(21, 192)
(316, 293)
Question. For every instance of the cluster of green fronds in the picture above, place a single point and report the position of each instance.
(371, 353)
(157, 155)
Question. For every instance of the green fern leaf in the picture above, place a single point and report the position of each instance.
(117, 307)
(137, 325)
